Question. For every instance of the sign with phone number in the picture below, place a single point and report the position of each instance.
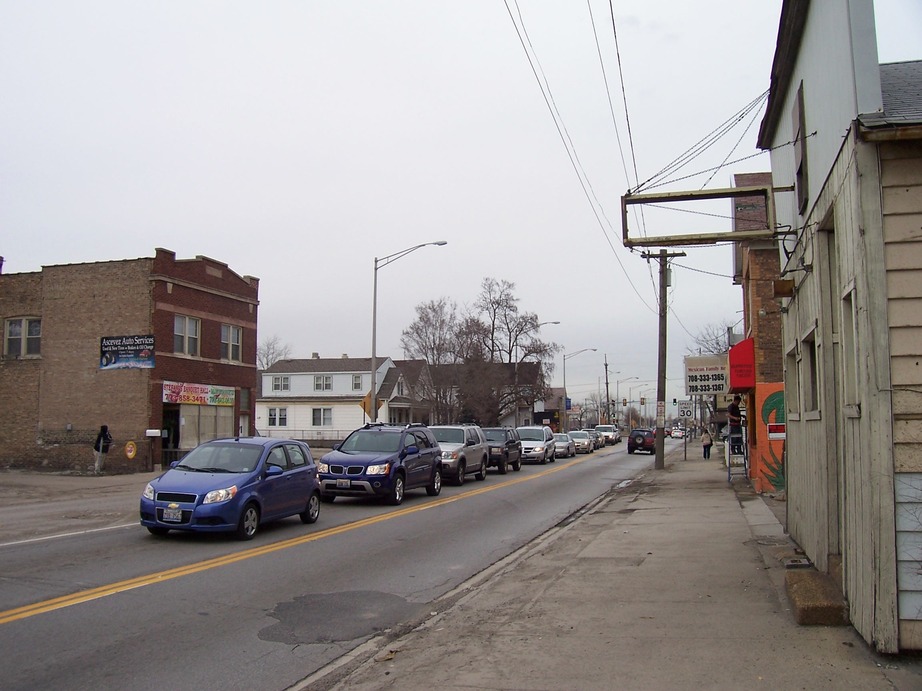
(706, 375)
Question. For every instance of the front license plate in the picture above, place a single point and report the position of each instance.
(172, 515)
(342, 484)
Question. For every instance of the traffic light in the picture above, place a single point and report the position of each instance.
(643, 400)
(624, 402)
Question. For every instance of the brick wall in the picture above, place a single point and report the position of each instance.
(53, 405)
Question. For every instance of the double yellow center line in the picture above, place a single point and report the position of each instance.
(77, 598)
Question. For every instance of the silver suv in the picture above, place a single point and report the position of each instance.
(538, 444)
(465, 450)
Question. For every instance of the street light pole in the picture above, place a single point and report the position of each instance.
(618, 396)
(566, 415)
(379, 263)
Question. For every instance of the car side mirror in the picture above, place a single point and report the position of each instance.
(336, 446)
(409, 451)
(273, 470)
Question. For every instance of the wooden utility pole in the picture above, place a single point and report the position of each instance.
(660, 435)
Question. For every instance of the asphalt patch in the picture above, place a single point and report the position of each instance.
(337, 617)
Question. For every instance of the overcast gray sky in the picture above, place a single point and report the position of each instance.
(296, 141)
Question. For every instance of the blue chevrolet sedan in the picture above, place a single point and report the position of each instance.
(234, 485)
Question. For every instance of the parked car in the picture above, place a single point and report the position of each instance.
(678, 433)
(597, 439)
(465, 451)
(641, 439)
(233, 485)
(505, 448)
(380, 460)
(564, 446)
(537, 443)
(584, 443)
(610, 433)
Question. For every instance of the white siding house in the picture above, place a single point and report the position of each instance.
(845, 134)
(323, 399)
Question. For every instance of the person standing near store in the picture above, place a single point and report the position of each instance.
(735, 418)
(101, 447)
(706, 443)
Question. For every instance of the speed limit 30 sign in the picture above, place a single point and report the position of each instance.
(685, 410)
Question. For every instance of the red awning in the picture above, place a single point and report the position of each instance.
(742, 362)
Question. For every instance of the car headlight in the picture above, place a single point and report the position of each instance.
(148, 491)
(323, 467)
(218, 495)
(378, 469)
(449, 455)
(539, 449)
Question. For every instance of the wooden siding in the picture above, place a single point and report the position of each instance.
(840, 461)
(901, 194)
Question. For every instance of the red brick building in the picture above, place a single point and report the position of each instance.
(757, 268)
(161, 350)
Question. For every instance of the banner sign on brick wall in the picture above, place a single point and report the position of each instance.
(126, 352)
(197, 394)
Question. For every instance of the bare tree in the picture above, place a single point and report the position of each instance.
(713, 339)
(510, 336)
(475, 358)
(271, 351)
(433, 337)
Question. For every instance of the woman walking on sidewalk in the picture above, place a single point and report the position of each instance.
(706, 443)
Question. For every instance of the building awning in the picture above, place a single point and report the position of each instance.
(742, 362)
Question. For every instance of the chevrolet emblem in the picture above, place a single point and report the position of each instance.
(174, 506)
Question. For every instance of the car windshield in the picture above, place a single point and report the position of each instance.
(532, 434)
(495, 434)
(561, 437)
(449, 435)
(579, 435)
(371, 441)
(232, 457)
(604, 428)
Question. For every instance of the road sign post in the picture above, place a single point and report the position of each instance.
(685, 415)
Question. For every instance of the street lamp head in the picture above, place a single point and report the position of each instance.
(440, 242)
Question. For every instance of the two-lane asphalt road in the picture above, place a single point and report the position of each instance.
(120, 608)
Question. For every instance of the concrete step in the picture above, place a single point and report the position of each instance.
(816, 598)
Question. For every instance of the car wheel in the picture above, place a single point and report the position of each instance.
(462, 469)
(248, 523)
(630, 450)
(312, 512)
(543, 459)
(327, 498)
(553, 456)
(395, 496)
(572, 452)
(502, 465)
(435, 487)
(159, 532)
(517, 466)
(482, 473)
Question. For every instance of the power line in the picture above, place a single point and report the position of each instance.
(534, 63)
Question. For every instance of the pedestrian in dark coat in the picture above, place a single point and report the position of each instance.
(101, 447)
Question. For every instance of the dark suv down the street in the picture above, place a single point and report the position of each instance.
(380, 460)
(505, 448)
(641, 439)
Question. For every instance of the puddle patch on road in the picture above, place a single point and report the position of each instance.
(336, 617)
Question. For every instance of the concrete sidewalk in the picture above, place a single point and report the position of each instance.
(674, 582)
